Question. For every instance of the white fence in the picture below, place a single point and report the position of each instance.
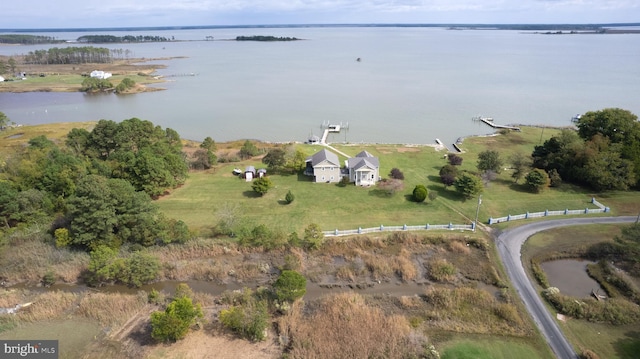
(601, 209)
(382, 228)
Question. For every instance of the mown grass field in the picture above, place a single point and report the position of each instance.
(351, 207)
(491, 347)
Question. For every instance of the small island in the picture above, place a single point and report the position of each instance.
(265, 38)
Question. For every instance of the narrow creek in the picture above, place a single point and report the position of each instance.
(314, 290)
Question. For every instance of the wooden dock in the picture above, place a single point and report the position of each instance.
(489, 121)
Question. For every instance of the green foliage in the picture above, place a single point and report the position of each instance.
(105, 266)
(344, 181)
(62, 238)
(289, 197)
(248, 150)
(613, 311)
(275, 159)
(519, 164)
(537, 180)
(249, 319)
(420, 193)
(92, 84)
(555, 178)
(4, 120)
(125, 85)
(140, 268)
(290, 286)
(468, 185)
(49, 279)
(489, 160)
(208, 144)
(262, 185)
(313, 237)
(604, 153)
(173, 324)
(147, 156)
(203, 160)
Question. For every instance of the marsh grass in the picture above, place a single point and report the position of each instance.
(346, 326)
(470, 310)
(30, 258)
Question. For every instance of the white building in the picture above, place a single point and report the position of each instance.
(100, 74)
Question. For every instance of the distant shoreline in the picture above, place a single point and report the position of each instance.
(539, 27)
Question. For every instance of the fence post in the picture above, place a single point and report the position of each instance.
(586, 210)
(526, 216)
(450, 225)
(359, 230)
(490, 220)
(404, 227)
(508, 217)
(606, 209)
(473, 226)
(427, 225)
(336, 231)
(381, 228)
(566, 210)
(546, 212)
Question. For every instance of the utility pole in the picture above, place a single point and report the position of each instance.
(475, 224)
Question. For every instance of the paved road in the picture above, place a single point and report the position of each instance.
(509, 244)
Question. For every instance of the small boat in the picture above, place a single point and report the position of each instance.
(237, 171)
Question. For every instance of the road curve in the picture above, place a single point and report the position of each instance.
(509, 244)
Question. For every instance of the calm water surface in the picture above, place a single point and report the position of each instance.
(413, 84)
(570, 276)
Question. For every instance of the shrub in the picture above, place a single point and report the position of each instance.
(454, 159)
(344, 181)
(173, 324)
(396, 174)
(249, 319)
(289, 197)
(420, 193)
(62, 237)
(441, 270)
(49, 279)
(390, 186)
(262, 185)
(313, 237)
(290, 286)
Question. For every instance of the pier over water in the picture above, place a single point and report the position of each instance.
(489, 121)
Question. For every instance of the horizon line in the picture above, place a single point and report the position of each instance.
(194, 27)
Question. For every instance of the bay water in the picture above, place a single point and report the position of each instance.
(411, 85)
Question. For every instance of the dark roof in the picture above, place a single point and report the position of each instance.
(324, 155)
(364, 154)
(359, 162)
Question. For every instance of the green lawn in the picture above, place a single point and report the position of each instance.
(351, 207)
(480, 347)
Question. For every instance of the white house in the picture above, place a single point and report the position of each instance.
(100, 74)
(364, 169)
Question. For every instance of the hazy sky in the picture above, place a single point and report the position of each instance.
(122, 13)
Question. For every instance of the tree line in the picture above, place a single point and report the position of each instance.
(264, 38)
(604, 153)
(27, 39)
(70, 55)
(104, 39)
(96, 189)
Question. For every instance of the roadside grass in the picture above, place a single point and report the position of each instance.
(607, 341)
(492, 347)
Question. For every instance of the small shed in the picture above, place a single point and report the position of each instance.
(249, 173)
(262, 172)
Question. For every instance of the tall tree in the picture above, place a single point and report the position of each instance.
(468, 185)
(489, 160)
